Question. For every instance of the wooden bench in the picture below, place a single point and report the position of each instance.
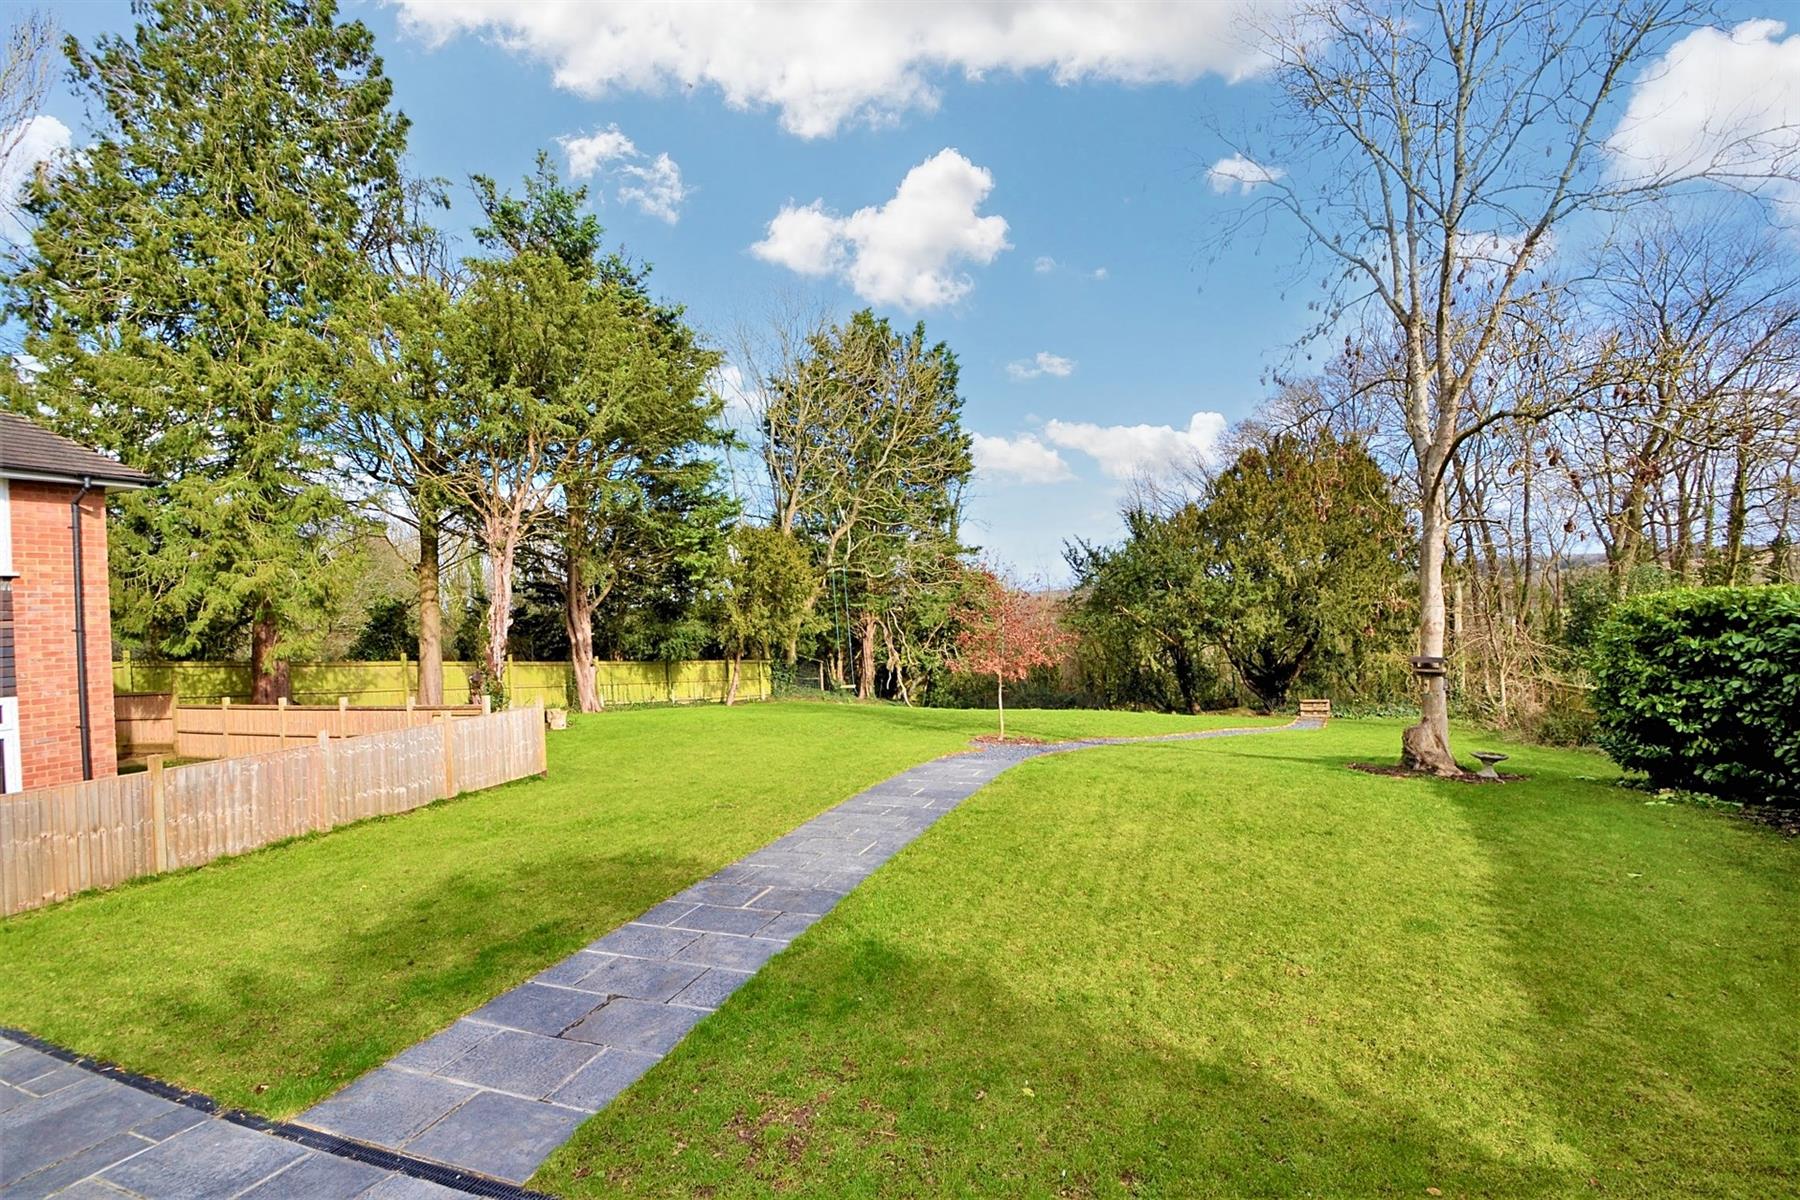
(1315, 710)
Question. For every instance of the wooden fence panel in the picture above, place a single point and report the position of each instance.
(232, 730)
(55, 842)
(494, 751)
(390, 684)
(144, 722)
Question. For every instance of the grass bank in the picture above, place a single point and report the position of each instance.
(1234, 968)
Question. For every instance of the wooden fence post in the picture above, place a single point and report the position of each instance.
(281, 721)
(411, 703)
(159, 812)
(449, 756)
(540, 759)
(487, 703)
(343, 716)
(328, 788)
(225, 722)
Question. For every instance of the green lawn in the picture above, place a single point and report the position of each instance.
(272, 979)
(1233, 968)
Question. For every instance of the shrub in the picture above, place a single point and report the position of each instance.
(1699, 688)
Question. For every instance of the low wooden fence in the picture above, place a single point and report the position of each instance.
(153, 723)
(392, 683)
(55, 842)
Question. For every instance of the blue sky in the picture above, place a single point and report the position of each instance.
(1100, 178)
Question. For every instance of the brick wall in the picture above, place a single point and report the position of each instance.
(44, 633)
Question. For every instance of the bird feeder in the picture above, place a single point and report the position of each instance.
(1429, 665)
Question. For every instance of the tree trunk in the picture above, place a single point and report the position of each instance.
(1737, 515)
(865, 659)
(501, 544)
(268, 677)
(578, 622)
(1181, 665)
(737, 662)
(431, 609)
(1426, 746)
(1000, 701)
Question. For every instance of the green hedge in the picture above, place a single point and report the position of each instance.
(1699, 688)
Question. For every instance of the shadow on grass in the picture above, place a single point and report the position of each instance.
(858, 1068)
(238, 1013)
(1658, 953)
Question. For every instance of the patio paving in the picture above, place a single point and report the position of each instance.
(68, 1131)
(476, 1108)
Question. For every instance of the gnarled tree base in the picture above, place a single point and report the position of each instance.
(1422, 748)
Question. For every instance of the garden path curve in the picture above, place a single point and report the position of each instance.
(477, 1107)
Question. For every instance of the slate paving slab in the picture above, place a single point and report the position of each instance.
(710, 918)
(711, 989)
(640, 1025)
(388, 1105)
(211, 1159)
(112, 1137)
(536, 1008)
(593, 1087)
(525, 1064)
(502, 1136)
(639, 978)
(319, 1177)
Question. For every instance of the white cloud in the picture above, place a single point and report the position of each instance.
(1044, 264)
(808, 240)
(588, 153)
(1023, 459)
(906, 252)
(823, 65)
(25, 145)
(655, 188)
(1100, 273)
(1042, 363)
(741, 402)
(1126, 451)
(1721, 102)
(1241, 173)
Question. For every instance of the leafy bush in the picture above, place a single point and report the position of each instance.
(1589, 598)
(1699, 688)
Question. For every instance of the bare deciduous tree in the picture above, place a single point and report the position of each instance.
(25, 66)
(1437, 146)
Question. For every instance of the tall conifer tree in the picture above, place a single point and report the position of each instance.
(188, 274)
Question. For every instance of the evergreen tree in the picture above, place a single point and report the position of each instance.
(187, 275)
(867, 461)
(581, 402)
(1304, 557)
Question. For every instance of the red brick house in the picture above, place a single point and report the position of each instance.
(56, 705)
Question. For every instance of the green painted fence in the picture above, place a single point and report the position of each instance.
(382, 683)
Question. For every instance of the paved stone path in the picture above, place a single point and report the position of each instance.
(70, 1132)
(502, 1088)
